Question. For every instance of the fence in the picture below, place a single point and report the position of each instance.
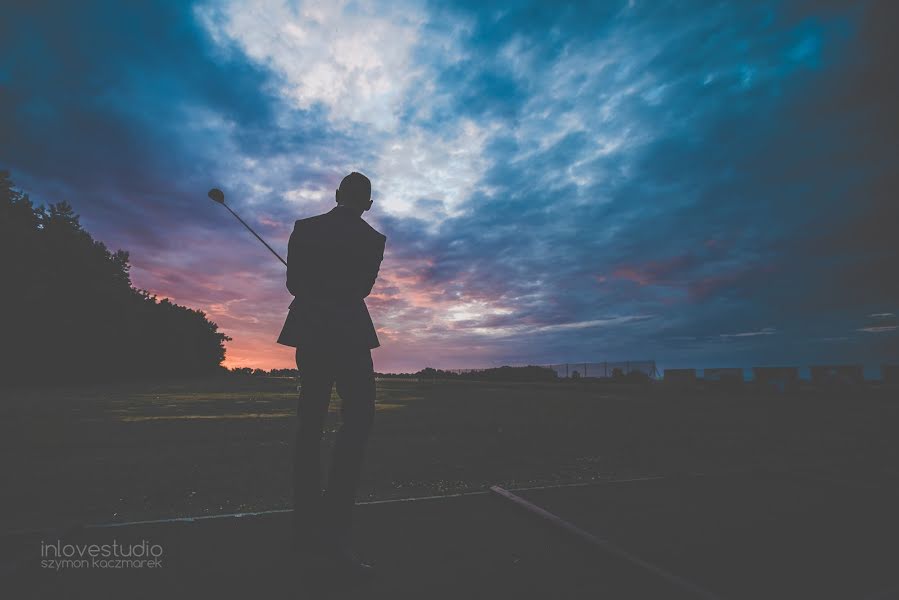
(605, 369)
(576, 370)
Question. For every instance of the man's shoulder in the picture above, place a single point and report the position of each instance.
(373, 233)
(327, 221)
(309, 225)
(309, 220)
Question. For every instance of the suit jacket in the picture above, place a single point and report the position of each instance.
(332, 263)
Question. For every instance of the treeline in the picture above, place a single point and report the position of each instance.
(530, 373)
(69, 312)
(264, 373)
(525, 374)
(509, 374)
(496, 374)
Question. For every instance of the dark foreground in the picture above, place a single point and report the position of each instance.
(102, 454)
(719, 494)
(749, 535)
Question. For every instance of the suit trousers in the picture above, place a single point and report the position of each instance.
(328, 518)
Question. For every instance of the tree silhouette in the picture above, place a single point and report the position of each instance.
(68, 311)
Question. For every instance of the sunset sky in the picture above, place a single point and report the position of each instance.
(699, 183)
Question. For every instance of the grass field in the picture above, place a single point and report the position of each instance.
(108, 453)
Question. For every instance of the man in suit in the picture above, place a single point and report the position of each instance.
(332, 263)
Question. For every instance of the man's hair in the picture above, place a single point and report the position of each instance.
(355, 188)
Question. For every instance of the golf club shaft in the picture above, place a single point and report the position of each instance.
(254, 233)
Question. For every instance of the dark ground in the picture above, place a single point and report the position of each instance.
(128, 452)
(104, 454)
(738, 536)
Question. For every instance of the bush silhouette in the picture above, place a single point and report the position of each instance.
(69, 312)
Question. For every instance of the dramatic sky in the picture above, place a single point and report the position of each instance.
(705, 184)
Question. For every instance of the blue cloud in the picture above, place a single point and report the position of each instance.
(712, 182)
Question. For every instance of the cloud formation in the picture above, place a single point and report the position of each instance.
(713, 183)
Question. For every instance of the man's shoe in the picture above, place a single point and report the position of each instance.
(321, 562)
(355, 570)
(347, 565)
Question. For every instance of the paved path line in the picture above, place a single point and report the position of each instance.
(191, 519)
(276, 511)
(601, 544)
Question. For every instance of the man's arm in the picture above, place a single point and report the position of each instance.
(372, 266)
(297, 261)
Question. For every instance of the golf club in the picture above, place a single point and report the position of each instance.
(218, 195)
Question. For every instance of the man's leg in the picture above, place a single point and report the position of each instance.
(356, 387)
(316, 379)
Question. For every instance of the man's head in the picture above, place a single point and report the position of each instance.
(355, 192)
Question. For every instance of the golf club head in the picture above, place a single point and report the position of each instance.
(217, 195)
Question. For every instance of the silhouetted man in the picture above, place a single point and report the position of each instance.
(333, 261)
